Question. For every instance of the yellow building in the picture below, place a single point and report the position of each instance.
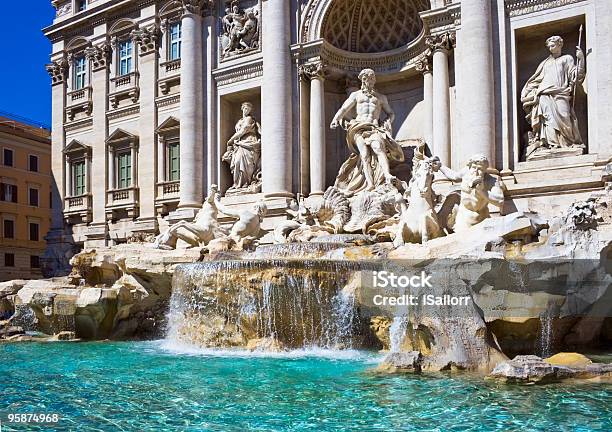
(25, 188)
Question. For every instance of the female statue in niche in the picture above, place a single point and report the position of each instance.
(548, 100)
(244, 153)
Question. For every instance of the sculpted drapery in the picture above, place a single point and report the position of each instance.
(547, 98)
(244, 151)
(371, 143)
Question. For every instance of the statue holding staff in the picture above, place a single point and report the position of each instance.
(548, 99)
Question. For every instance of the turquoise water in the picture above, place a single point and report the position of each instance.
(142, 386)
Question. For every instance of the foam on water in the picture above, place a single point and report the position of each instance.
(181, 348)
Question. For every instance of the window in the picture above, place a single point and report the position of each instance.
(33, 163)
(9, 228)
(8, 157)
(124, 178)
(78, 178)
(34, 261)
(175, 41)
(9, 260)
(174, 161)
(8, 192)
(34, 231)
(81, 5)
(80, 72)
(33, 197)
(125, 57)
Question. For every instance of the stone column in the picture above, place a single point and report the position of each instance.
(276, 110)
(147, 41)
(209, 46)
(478, 115)
(441, 46)
(192, 106)
(99, 57)
(316, 72)
(424, 66)
(304, 132)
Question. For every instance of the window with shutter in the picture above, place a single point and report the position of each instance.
(174, 162)
(125, 170)
(78, 178)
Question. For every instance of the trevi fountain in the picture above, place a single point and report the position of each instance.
(413, 293)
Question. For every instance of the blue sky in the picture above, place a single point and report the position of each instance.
(26, 87)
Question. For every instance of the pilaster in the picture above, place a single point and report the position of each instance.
(147, 42)
(98, 57)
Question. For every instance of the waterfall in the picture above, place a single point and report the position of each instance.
(546, 335)
(296, 303)
(397, 332)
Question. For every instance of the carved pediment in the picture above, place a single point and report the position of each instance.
(171, 124)
(75, 147)
(120, 136)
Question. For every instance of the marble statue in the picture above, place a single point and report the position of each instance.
(418, 221)
(478, 190)
(240, 30)
(548, 99)
(200, 232)
(370, 141)
(248, 225)
(244, 153)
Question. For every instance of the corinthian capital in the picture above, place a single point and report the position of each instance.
(315, 70)
(198, 7)
(58, 71)
(443, 41)
(98, 55)
(423, 64)
(146, 38)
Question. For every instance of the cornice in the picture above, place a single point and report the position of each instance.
(348, 62)
(84, 21)
(522, 7)
(239, 72)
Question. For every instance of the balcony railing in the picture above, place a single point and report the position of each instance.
(79, 101)
(124, 87)
(75, 202)
(78, 208)
(172, 65)
(127, 80)
(79, 96)
(122, 199)
(168, 192)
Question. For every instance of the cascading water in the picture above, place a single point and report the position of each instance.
(546, 335)
(297, 303)
(397, 332)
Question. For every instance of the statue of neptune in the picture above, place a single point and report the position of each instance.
(370, 141)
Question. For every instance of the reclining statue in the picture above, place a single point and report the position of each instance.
(200, 232)
(478, 190)
(245, 231)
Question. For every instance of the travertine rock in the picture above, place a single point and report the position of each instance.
(115, 293)
(401, 362)
(531, 369)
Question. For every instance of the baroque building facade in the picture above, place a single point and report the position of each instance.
(156, 101)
